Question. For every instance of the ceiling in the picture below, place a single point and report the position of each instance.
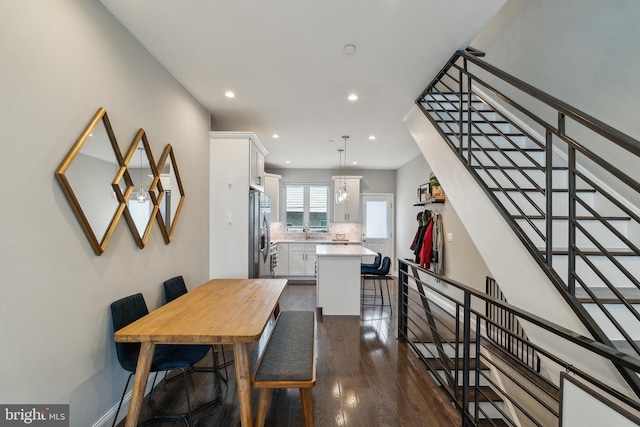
(285, 61)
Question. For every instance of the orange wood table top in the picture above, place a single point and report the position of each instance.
(221, 311)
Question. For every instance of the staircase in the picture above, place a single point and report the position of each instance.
(439, 345)
(575, 210)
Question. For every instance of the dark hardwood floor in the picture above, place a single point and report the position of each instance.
(365, 377)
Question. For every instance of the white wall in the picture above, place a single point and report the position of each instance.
(583, 52)
(463, 262)
(61, 61)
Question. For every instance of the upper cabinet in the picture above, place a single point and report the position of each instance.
(243, 153)
(256, 166)
(349, 211)
(272, 189)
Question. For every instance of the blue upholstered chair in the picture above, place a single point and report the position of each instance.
(376, 263)
(174, 288)
(165, 357)
(379, 274)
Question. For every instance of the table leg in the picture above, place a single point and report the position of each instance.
(140, 383)
(243, 379)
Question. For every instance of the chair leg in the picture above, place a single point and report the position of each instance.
(363, 289)
(186, 390)
(122, 399)
(216, 367)
(386, 279)
(225, 377)
(153, 385)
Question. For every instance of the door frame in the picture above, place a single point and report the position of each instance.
(392, 240)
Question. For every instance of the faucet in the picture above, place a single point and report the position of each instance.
(305, 229)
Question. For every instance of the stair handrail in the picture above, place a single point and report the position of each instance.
(409, 312)
(516, 341)
(564, 111)
(470, 54)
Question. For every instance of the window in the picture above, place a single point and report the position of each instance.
(377, 219)
(306, 204)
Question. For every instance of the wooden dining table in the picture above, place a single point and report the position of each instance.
(221, 311)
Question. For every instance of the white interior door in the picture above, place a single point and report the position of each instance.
(377, 224)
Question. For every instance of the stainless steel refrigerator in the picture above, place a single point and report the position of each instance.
(259, 235)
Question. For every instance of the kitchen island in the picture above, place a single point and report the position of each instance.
(338, 285)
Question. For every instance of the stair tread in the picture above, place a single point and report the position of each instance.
(432, 102)
(535, 190)
(497, 422)
(593, 252)
(487, 394)
(539, 168)
(445, 324)
(505, 133)
(449, 96)
(464, 122)
(437, 364)
(508, 149)
(579, 217)
(505, 357)
(440, 106)
(606, 295)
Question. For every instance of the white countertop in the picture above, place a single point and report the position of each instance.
(319, 241)
(343, 250)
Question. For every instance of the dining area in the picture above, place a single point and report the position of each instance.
(233, 312)
(365, 376)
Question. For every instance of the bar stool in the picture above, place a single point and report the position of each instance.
(378, 274)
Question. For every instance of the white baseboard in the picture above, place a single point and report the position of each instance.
(107, 418)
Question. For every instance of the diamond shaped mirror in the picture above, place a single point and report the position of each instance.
(141, 200)
(171, 195)
(86, 176)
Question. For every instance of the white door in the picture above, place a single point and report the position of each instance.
(377, 224)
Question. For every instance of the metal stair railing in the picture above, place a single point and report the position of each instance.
(509, 333)
(556, 176)
(441, 322)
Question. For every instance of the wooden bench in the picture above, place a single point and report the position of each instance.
(288, 361)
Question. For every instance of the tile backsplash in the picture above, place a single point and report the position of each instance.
(350, 229)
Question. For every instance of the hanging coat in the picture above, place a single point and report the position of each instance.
(427, 246)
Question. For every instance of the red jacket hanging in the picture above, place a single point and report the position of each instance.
(427, 246)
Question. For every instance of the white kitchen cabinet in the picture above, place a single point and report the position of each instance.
(233, 170)
(256, 167)
(349, 211)
(272, 189)
(302, 259)
(283, 260)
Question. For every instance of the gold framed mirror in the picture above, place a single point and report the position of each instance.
(171, 193)
(142, 199)
(86, 176)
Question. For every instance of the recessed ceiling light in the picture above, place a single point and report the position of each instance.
(287, 161)
(275, 135)
(354, 163)
(349, 49)
(229, 94)
(372, 137)
(352, 97)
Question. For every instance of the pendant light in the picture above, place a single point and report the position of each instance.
(141, 195)
(342, 195)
